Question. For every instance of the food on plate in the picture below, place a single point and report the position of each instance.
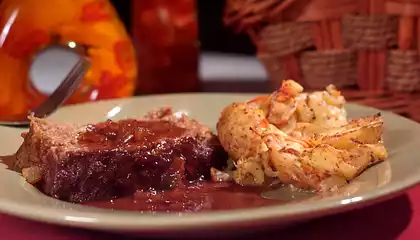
(80, 163)
(303, 139)
(166, 161)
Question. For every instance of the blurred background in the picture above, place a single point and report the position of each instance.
(214, 37)
(166, 46)
(144, 47)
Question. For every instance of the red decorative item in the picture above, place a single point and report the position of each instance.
(109, 83)
(124, 55)
(96, 11)
(25, 39)
(90, 28)
(165, 38)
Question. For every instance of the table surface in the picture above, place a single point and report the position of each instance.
(398, 218)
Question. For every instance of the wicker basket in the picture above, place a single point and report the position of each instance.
(373, 44)
(320, 68)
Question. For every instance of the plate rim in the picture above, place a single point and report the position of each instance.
(127, 220)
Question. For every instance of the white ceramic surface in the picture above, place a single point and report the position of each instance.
(401, 171)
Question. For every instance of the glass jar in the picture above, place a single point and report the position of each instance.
(165, 38)
(87, 27)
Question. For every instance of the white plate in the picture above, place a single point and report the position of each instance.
(401, 171)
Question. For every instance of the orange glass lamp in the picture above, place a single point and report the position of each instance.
(89, 28)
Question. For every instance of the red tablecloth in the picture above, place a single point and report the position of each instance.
(398, 218)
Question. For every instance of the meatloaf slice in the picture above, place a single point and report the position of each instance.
(80, 163)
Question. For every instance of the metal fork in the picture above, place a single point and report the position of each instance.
(57, 98)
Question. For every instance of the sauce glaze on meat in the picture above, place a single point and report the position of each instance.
(185, 187)
(160, 163)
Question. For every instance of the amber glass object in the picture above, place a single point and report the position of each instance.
(165, 39)
(91, 27)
